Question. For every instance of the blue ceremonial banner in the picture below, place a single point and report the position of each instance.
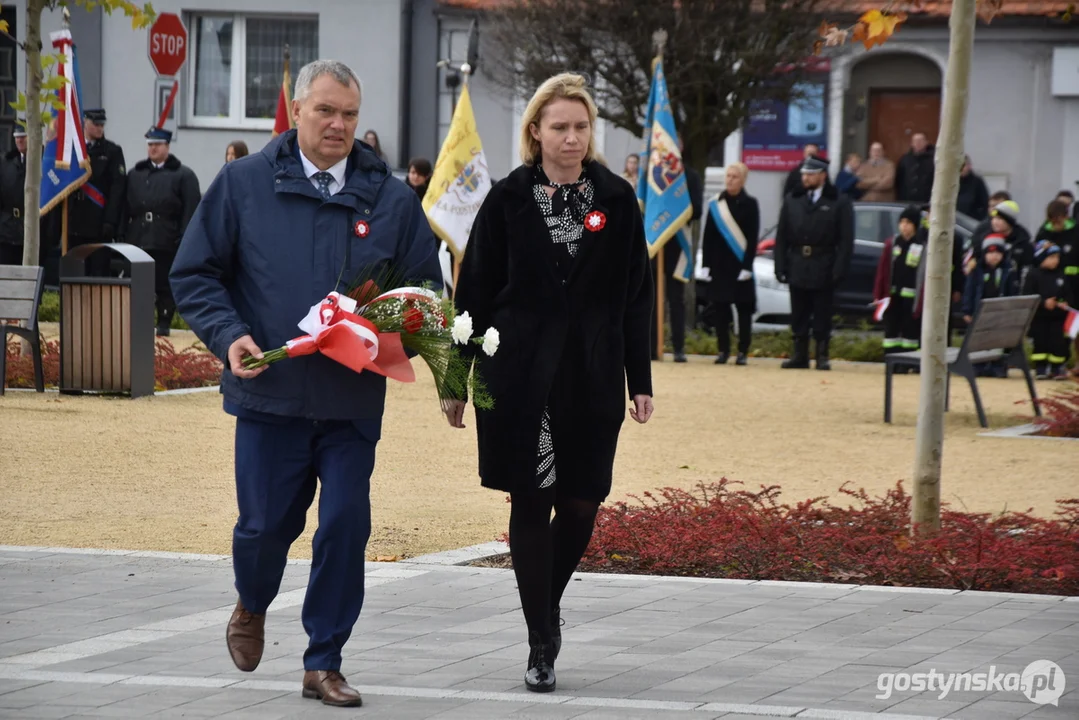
(64, 163)
(661, 185)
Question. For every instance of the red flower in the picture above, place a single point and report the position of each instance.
(413, 320)
(595, 221)
(365, 293)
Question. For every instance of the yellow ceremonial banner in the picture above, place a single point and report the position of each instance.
(460, 181)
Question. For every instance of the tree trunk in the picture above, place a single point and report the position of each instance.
(31, 208)
(929, 443)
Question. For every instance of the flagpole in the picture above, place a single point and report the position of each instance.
(63, 229)
(466, 73)
(660, 39)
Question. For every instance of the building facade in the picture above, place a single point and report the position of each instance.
(1022, 128)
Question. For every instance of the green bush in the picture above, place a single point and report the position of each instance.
(49, 309)
(860, 345)
(844, 346)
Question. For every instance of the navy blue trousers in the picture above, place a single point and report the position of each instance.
(279, 462)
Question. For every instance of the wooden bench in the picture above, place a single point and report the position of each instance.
(996, 333)
(20, 295)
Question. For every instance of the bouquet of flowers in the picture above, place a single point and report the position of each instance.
(369, 329)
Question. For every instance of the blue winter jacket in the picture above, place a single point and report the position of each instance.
(263, 247)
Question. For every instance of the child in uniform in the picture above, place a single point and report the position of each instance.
(1046, 279)
(994, 276)
(899, 279)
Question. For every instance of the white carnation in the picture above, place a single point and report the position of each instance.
(490, 341)
(462, 328)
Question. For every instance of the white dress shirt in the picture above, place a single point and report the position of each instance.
(814, 195)
(338, 172)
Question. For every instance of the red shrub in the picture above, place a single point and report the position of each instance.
(1061, 413)
(188, 368)
(718, 531)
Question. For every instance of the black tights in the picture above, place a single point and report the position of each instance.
(545, 552)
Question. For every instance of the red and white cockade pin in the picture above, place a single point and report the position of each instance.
(595, 221)
(361, 228)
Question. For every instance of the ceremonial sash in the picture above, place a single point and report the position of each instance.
(728, 228)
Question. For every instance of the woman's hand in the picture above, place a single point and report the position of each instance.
(642, 408)
(455, 412)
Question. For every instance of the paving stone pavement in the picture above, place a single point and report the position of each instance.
(117, 634)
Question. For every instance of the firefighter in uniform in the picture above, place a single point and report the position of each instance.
(96, 207)
(814, 244)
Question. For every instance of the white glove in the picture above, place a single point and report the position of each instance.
(745, 275)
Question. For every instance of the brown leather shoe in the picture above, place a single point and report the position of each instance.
(331, 688)
(246, 636)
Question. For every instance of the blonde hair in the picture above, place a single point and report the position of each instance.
(568, 86)
(742, 169)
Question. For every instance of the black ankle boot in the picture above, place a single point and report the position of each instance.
(556, 632)
(799, 358)
(722, 358)
(823, 362)
(540, 674)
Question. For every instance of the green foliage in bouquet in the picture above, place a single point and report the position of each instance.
(428, 326)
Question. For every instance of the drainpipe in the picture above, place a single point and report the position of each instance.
(405, 100)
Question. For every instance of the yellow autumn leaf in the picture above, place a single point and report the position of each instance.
(879, 26)
(4, 26)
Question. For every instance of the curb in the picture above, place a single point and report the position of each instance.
(1023, 432)
(459, 559)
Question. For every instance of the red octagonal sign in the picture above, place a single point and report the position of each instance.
(168, 44)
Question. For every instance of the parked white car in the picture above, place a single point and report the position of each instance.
(773, 297)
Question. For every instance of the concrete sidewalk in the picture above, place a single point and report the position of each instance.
(128, 634)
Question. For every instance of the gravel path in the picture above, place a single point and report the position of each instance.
(156, 473)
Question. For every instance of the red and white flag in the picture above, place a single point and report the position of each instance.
(882, 307)
(1071, 324)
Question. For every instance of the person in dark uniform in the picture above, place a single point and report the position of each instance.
(675, 289)
(814, 244)
(727, 250)
(12, 189)
(95, 208)
(12, 194)
(162, 195)
(793, 184)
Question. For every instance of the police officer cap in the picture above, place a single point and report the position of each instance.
(20, 128)
(96, 115)
(814, 164)
(912, 213)
(158, 135)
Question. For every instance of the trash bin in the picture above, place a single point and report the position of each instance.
(107, 323)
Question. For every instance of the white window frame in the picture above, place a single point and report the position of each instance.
(237, 90)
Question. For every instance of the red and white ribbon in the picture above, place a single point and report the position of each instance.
(335, 330)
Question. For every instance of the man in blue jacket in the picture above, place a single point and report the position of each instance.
(272, 236)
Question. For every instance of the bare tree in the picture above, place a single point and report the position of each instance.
(929, 441)
(722, 55)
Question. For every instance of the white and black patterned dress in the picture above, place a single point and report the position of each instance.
(564, 212)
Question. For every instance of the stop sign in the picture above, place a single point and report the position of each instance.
(168, 44)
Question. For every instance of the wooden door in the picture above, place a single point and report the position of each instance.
(895, 115)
